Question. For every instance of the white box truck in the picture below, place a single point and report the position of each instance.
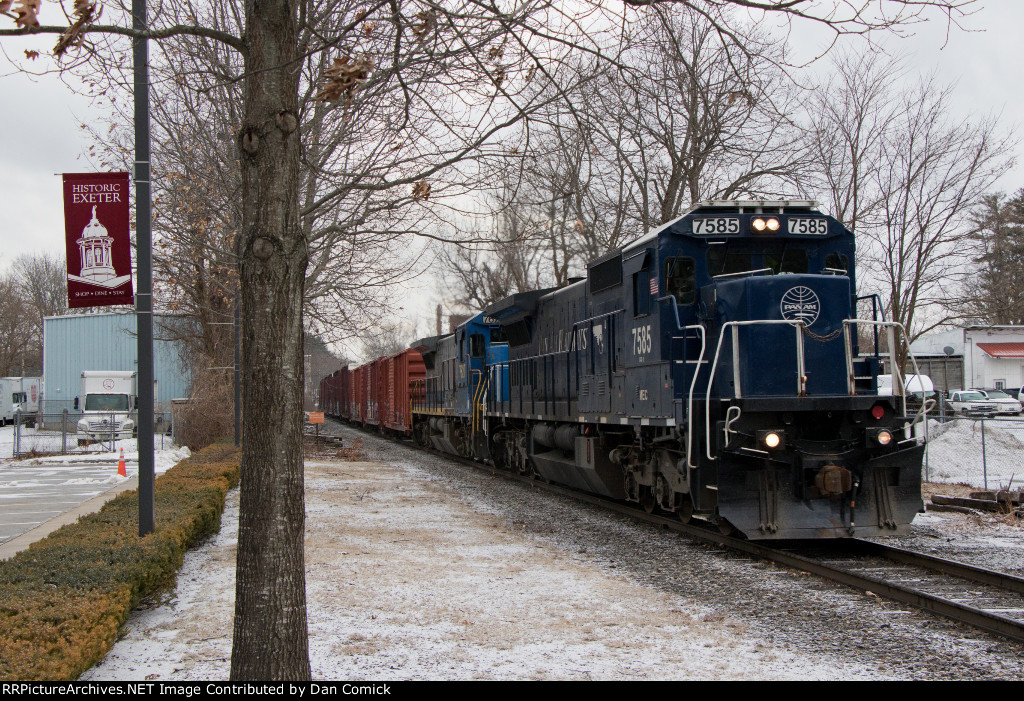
(108, 403)
(6, 401)
(25, 393)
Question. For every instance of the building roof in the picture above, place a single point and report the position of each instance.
(1003, 350)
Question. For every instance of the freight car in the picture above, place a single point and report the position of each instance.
(376, 394)
(711, 369)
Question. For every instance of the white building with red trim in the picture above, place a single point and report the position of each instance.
(994, 356)
(973, 356)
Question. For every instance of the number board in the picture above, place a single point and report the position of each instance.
(715, 226)
(808, 227)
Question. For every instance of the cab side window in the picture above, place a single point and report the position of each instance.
(476, 345)
(681, 279)
(837, 261)
(641, 293)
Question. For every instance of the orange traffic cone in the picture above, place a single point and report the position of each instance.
(120, 465)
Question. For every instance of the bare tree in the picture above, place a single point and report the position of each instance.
(848, 120)
(700, 115)
(478, 276)
(272, 247)
(906, 176)
(18, 342)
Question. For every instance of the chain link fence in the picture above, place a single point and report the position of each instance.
(58, 433)
(983, 452)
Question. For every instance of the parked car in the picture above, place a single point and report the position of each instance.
(1005, 404)
(971, 403)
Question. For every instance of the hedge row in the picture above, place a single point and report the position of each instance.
(64, 599)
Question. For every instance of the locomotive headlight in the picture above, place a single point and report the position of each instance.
(882, 436)
(761, 224)
(771, 440)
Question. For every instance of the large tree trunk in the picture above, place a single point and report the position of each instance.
(270, 634)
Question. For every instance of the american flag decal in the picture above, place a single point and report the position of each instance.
(654, 286)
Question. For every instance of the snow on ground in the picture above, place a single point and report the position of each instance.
(166, 453)
(409, 580)
(985, 454)
(37, 441)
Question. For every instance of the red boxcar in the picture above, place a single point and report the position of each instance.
(379, 391)
(358, 394)
(334, 397)
(398, 372)
(373, 393)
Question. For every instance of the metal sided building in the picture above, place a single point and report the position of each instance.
(107, 341)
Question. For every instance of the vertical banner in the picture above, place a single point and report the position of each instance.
(98, 240)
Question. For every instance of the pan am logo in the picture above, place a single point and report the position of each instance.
(800, 304)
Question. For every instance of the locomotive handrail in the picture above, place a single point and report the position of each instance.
(693, 386)
(896, 372)
(696, 374)
(742, 273)
(477, 407)
(734, 325)
(675, 309)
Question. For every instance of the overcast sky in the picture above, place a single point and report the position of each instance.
(42, 118)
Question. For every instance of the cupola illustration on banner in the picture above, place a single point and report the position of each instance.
(94, 248)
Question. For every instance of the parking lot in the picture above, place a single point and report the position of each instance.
(37, 490)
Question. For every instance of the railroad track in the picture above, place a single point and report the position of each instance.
(985, 599)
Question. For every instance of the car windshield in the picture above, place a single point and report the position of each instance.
(996, 394)
(971, 396)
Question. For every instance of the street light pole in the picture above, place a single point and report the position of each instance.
(144, 273)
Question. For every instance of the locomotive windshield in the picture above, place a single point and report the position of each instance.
(784, 257)
(787, 260)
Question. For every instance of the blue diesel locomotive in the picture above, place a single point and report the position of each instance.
(711, 369)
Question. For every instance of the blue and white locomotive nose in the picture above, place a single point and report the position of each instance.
(817, 304)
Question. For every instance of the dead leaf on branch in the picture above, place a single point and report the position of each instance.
(739, 95)
(421, 190)
(427, 24)
(344, 78)
(27, 13)
(85, 13)
(31, 55)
